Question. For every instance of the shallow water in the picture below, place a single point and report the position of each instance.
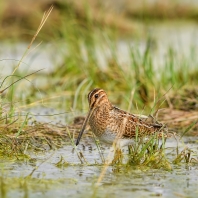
(77, 180)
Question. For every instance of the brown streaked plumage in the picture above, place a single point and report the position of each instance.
(109, 122)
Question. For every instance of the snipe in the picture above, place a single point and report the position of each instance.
(110, 123)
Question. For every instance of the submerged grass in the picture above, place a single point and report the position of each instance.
(26, 186)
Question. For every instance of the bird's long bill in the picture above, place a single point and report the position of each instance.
(83, 127)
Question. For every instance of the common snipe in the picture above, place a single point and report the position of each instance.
(110, 123)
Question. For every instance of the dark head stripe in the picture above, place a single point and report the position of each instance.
(90, 95)
(97, 101)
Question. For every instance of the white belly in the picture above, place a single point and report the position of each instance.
(109, 137)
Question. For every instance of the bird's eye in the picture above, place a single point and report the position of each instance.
(96, 96)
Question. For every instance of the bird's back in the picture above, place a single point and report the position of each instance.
(127, 125)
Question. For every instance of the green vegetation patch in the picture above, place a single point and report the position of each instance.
(28, 185)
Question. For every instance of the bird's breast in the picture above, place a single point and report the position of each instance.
(99, 121)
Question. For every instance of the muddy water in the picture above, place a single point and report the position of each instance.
(77, 180)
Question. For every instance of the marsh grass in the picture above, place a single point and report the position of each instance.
(19, 140)
(145, 155)
(149, 154)
(136, 86)
(121, 16)
(80, 71)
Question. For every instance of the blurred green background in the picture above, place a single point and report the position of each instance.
(135, 50)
